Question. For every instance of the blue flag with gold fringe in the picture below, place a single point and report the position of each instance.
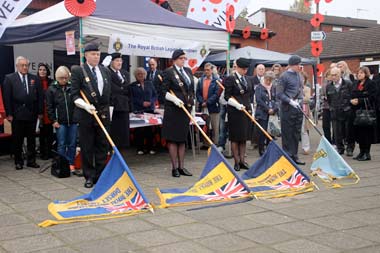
(217, 183)
(276, 175)
(116, 194)
(330, 167)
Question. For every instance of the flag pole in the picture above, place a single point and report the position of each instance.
(257, 123)
(99, 122)
(194, 122)
(311, 122)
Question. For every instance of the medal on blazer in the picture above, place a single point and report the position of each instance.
(180, 83)
(239, 85)
(87, 79)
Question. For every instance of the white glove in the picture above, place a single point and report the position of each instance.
(83, 105)
(178, 102)
(236, 104)
(294, 104)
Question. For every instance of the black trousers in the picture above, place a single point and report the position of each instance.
(326, 124)
(365, 138)
(46, 140)
(20, 130)
(291, 123)
(94, 147)
(144, 138)
(120, 129)
(264, 124)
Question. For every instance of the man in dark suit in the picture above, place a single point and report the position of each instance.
(95, 81)
(23, 101)
(155, 76)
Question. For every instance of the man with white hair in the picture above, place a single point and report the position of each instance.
(23, 101)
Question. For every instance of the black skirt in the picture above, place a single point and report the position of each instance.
(175, 125)
(120, 129)
(238, 125)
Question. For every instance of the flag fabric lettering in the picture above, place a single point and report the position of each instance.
(276, 175)
(116, 194)
(329, 166)
(9, 11)
(218, 182)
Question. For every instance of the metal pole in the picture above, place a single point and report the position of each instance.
(228, 55)
(81, 47)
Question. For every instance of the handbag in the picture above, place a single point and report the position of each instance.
(274, 126)
(365, 117)
(60, 166)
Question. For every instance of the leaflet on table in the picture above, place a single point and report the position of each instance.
(149, 118)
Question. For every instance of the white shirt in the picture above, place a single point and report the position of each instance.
(26, 80)
(99, 77)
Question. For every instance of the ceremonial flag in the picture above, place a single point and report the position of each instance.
(116, 194)
(9, 11)
(276, 175)
(218, 182)
(329, 166)
(2, 109)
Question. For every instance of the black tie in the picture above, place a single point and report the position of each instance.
(184, 77)
(25, 84)
(94, 74)
(243, 81)
(151, 75)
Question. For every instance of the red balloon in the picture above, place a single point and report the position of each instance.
(246, 32)
(320, 69)
(264, 34)
(81, 8)
(230, 20)
(317, 19)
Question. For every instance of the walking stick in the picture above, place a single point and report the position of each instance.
(256, 123)
(194, 122)
(99, 122)
(220, 84)
(311, 122)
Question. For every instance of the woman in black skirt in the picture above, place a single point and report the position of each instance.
(363, 97)
(179, 80)
(239, 95)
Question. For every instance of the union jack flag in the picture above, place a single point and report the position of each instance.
(233, 189)
(136, 203)
(295, 181)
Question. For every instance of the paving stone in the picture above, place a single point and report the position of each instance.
(18, 197)
(4, 209)
(112, 244)
(269, 218)
(57, 250)
(33, 243)
(302, 228)
(234, 224)
(368, 216)
(153, 238)
(258, 250)
(180, 247)
(336, 222)
(12, 219)
(31, 205)
(368, 232)
(128, 226)
(303, 246)
(170, 219)
(226, 243)
(267, 235)
(195, 230)
(371, 249)
(63, 227)
(47, 187)
(20, 230)
(64, 194)
(82, 234)
(37, 181)
(341, 240)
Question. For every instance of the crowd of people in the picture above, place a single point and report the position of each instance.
(65, 105)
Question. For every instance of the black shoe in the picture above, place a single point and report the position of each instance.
(89, 183)
(349, 152)
(341, 152)
(358, 156)
(77, 173)
(365, 157)
(19, 166)
(184, 172)
(33, 165)
(175, 173)
(244, 166)
(297, 161)
(237, 167)
(44, 157)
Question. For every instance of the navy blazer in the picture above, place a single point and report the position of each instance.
(264, 103)
(140, 95)
(212, 95)
(17, 102)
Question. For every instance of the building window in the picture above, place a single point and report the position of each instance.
(337, 29)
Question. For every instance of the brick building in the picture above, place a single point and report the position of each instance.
(358, 48)
(294, 28)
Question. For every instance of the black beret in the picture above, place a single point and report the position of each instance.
(177, 53)
(115, 55)
(294, 60)
(91, 47)
(243, 63)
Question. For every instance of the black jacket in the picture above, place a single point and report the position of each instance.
(139, 96)
(17, 102)
(232, 89)
(264, 103)
(339, 100)
(101, 103)
(60, 105)
(120, 96)
(368, 94)
(157, 83)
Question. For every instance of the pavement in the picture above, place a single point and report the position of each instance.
(329, 220)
